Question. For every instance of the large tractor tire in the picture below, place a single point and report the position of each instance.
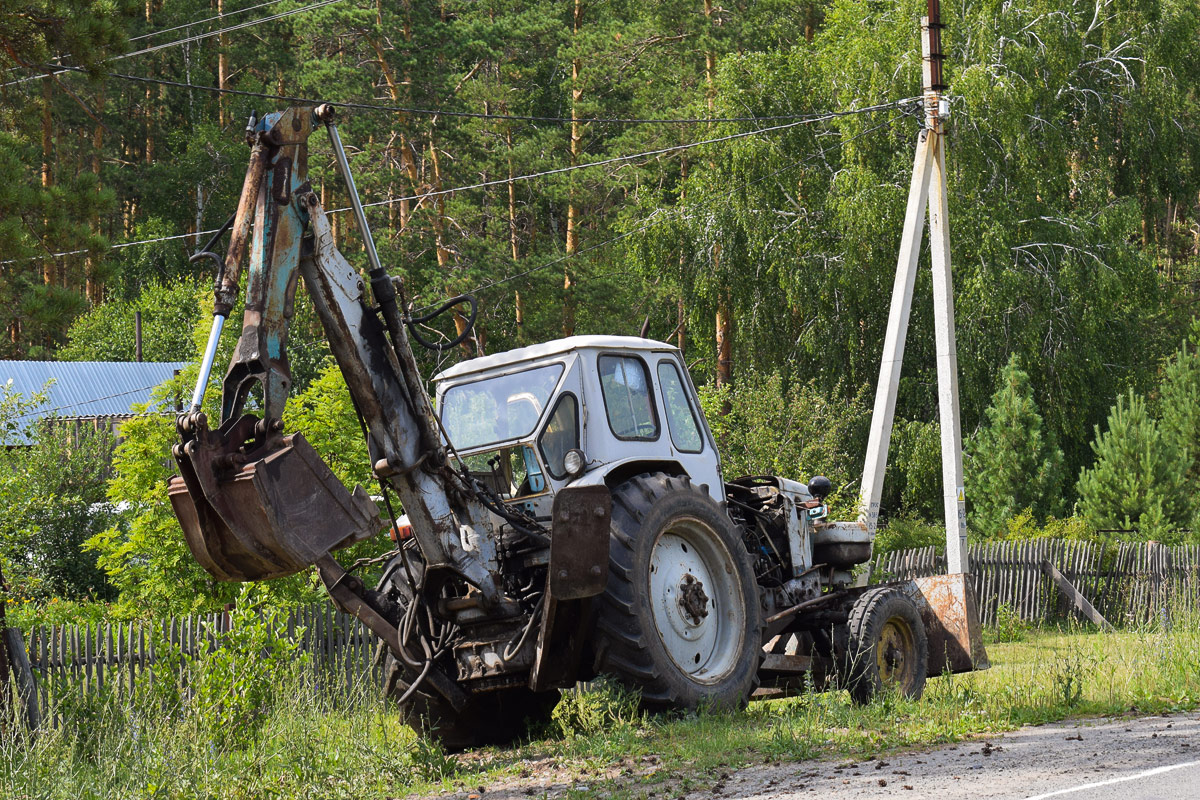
(495, 717)
(680, 620)
(886, 647)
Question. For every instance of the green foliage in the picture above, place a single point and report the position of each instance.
(913, 482)
(1138, 478)
(600, 708)
(106, 332)
(53, 492)
(1014, 464)
(790, 428)
(1179, 417)
(35, 32)
(908, 533)
(325, 415)
(17, 411)
(145, 557)
(234, 685)
(52, 487)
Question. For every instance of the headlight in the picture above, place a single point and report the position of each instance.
(574, 462)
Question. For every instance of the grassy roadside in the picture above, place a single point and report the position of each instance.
(312, 745)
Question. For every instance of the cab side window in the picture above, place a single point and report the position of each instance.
(561, 434)
(681, 422)
(625, 384)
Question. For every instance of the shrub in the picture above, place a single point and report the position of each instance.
(235, 684)
(907, 533)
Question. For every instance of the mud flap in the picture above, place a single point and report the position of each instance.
(951, 616)
(578, 572)
(269, 513)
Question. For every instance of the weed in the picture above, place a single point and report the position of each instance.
(1009, 626)
(430, 760)
(1068, 676)
(596, 708)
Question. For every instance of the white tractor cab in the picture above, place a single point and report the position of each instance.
(586, 410)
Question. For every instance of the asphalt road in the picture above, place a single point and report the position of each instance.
(1145, 758)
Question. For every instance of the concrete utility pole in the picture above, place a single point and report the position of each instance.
(927, 192)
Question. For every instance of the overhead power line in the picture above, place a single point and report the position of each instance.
(632, 157)
(431, 112)
(59, 70)
(52, 411)
(218, 17)
(656, 219)
(526, 177)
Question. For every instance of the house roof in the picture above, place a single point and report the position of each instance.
(550, 349)
(86, 388)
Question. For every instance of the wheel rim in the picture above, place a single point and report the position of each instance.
(695, 599)
(895, 654)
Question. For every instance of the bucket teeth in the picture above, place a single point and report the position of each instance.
(273, 515)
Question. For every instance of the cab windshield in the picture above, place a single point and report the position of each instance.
(498, 409)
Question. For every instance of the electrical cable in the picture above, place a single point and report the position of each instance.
(623, 159)
(649, 223)
(59, 70)
(899, 104)
(194, 24)
(416, 111)
(49, 412)
(226, 15)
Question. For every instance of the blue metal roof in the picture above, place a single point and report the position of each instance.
(86, 388)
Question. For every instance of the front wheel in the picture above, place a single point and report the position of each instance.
(680, 619)
(496, 717)
(887, 648)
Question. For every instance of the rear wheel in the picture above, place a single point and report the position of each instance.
(495, 717)
(886, 646)
(680, 619)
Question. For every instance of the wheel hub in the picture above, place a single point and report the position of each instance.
(695, 601)
(895, 645)
(692, 599)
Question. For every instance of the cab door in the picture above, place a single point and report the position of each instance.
(688, 436)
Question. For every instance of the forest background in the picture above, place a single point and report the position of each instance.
(768, 258)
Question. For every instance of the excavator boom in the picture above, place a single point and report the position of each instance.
(257, 504)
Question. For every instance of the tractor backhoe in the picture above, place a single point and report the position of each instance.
(564, 512)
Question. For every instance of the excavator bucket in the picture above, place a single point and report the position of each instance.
(951, 616)
(264, 514)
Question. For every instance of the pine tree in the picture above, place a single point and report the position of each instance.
(1016, 464)
(1179, 417)
(1138, 478)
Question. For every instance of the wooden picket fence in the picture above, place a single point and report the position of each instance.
(117, 658)
(1127, 582)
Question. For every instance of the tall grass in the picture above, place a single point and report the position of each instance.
(306, 740)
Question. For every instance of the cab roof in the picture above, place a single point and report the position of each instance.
(553, 348)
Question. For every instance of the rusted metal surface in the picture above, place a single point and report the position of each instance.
(260, 357)
(578, 572)
(951, 617)
(254, 509)
(579, 542)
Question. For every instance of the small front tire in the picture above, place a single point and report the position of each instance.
(886, 646)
